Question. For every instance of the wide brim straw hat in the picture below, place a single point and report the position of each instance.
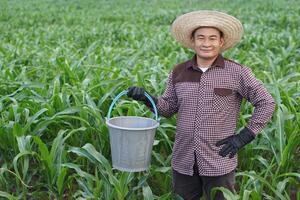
(183, 27)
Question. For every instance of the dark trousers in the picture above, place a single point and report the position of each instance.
(193, 187)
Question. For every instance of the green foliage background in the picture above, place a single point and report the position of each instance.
(62, 62)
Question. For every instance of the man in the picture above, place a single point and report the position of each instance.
(206, 92)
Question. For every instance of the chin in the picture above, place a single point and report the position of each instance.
(206, 56)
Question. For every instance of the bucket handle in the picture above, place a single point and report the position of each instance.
(124, 92)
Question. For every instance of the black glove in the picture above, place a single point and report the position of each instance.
(235, 142)
(138, 93)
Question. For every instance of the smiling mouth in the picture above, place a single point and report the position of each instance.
(206, 50)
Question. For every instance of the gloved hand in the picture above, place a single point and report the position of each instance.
(234, 143)
(138, 93)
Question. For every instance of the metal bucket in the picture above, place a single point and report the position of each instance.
(131, 139)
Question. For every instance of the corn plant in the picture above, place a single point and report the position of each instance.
(62, 63)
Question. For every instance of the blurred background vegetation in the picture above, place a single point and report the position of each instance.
(62, 62)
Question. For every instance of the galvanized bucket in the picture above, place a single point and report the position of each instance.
(131, 139)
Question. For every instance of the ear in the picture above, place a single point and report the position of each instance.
(192, 41)
(222, 41)
(193, 47)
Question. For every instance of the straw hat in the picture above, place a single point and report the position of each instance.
(183, 27)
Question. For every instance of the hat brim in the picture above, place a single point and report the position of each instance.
(183, 27)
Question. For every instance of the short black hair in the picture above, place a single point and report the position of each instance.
(194, 31)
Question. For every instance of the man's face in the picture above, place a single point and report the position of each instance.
(207, 42)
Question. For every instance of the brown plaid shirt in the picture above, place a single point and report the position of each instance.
(208, 106)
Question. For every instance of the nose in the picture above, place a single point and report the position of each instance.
(206, 43)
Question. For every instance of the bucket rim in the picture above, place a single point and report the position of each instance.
(131, 169)
(132, 129)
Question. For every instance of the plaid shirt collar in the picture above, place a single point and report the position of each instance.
(219, 62)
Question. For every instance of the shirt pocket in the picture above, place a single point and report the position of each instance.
(223, 99)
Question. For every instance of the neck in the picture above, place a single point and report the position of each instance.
(203, 62)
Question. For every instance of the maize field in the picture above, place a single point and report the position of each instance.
(63, 61)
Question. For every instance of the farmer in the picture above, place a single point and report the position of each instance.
(206, 93)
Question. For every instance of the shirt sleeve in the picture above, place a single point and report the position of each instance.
(254, 91)
(167, 103)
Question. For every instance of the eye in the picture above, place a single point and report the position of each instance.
(200, 38)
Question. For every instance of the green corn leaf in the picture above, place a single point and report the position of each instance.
(7, 195)
(147, 193)
(61, 180)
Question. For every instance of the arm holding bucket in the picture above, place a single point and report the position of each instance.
(166, 104)
(138, 93)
